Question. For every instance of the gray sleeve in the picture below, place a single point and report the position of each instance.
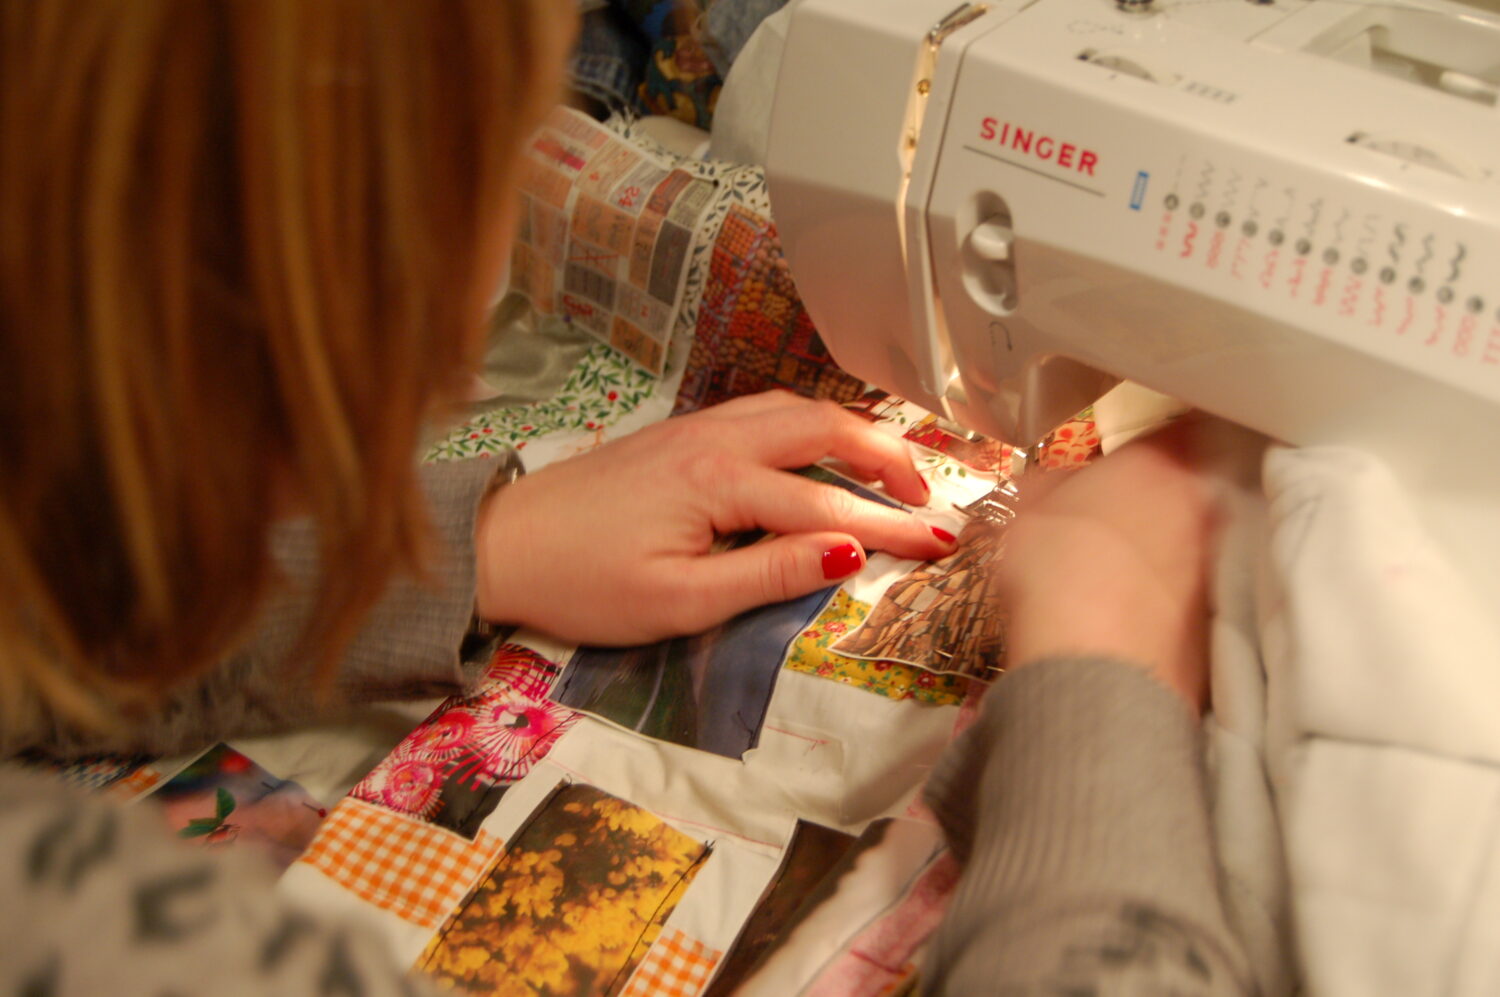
(408, 647)
(100, 901)
(1077, 804)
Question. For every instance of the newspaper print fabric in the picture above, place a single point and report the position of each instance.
(411, 869)
(605, 234)
(453, 769)
(572, 905)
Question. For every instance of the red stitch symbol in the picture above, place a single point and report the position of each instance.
(1465, 336)
(1295, 283)
(1492, 347)
(1351, 297)
(1215, 250)
(1187, 241)
(1440, 315)
(1321, 294)
(1411, 309)
(1239, 257)
(1269, 270)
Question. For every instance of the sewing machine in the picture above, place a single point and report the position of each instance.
(1285, 213)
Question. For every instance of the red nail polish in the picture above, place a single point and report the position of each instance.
(925, 486)
(943, 535)
(841, 561)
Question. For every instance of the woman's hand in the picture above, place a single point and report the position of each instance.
(613, 547)
(1112, 560)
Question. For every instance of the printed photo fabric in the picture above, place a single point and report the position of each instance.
(879, 903)
(943, 616)
(453, 769)
(708, 691)
(885, 953)
(411, 869)
(579, 895)
(813, 654)
(223, 797)
(814, 851)
(676, 966)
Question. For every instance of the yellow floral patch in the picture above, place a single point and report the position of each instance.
(891, 679)
(572, 905)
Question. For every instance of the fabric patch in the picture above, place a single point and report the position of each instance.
(142, 780)
(453, 769)
(676, 966)
(414, 870)
(980, 453)
(942, 616)
(605, 234)
(681, 81)
(884, 953)
(92, 772)
(814, 850)
(602, 389)
(811, 653)
(223, 797)
(708, 691)
(753, 333)
(1073, 444)
(571, 906)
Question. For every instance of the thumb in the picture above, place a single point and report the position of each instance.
(774, 570)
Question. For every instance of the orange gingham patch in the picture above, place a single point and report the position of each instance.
(414, 870)
(676, 966)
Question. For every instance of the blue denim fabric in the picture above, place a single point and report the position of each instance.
(609, 60)
(729, 25)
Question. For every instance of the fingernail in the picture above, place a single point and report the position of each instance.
(925, 486)
(943, 535)
(841, 561)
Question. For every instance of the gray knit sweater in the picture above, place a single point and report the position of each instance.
(1077, 804)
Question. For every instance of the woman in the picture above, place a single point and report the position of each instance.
(245, 256)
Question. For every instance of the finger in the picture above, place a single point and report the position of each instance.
(716, 587)
(749, 405)
(787, 503)
(797, 435)
(1035, 485)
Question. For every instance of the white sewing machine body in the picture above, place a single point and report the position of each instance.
(1241, 205)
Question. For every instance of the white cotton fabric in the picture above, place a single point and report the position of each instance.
(1386, 739)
